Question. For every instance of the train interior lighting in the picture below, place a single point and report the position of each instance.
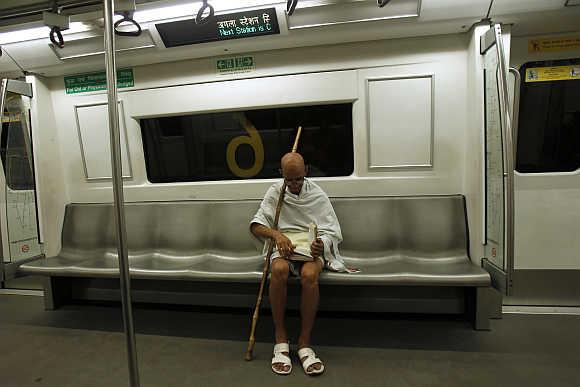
(422, 155)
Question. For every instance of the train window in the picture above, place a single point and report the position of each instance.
(549, 119)
(15, 161)
(247, 144)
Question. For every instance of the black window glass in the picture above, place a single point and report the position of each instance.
(247, 144)
(15, 161)
(549, 119)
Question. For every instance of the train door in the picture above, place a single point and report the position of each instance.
(18, 210)
(547, 182)
(498, 166)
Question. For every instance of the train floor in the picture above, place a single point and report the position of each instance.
(83, 345)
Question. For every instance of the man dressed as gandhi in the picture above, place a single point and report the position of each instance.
(305, 205)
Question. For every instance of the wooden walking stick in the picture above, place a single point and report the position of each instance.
(252, 340)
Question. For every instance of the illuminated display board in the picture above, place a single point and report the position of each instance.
(245, 24)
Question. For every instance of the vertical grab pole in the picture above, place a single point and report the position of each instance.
(508, 152)
(118, 193)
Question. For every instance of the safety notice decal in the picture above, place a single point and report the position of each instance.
(563, 43)
(555, 73)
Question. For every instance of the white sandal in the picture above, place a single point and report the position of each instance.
(280, 357)
(311, 359)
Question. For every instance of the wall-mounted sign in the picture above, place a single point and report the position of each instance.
(235, 64)
(245, 24)
(83, 83)
(554, 73)
(564, 43)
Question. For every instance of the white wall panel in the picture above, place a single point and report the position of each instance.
(473, 179)
(425, 100)
(94, 140)
(400, 121)
(547, 221)
(303, 76)
(338, 86)
(51, 184)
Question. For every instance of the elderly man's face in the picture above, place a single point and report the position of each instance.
(294, 174)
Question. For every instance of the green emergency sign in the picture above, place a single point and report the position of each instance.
(83, 83)
(235, 64)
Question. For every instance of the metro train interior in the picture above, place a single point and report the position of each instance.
(446, 134)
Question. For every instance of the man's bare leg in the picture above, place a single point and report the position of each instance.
(309, 302)
(278, 294)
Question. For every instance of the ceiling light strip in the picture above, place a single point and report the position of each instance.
(412, 15)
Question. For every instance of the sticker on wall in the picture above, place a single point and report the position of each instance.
(564, 43)
(235, 65)
(555, 73)
(84, 83)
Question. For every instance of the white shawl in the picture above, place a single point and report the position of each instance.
(311, 205)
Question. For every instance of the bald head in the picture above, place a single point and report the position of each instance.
(293, 170)
(292, 160)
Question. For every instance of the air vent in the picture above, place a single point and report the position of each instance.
(95, 46)
(325, 13)
(572, 3)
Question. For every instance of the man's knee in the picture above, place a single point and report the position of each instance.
(309, 274)
(280, 270)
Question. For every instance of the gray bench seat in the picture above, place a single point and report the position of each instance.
(393, 240)
(201, 267)
(377, 271)
(412, 252)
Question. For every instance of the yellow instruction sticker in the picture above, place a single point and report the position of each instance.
(563, 43)
(556, 73)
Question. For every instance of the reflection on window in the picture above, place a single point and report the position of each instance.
(247, 144)
(15, 161)
(549, 120)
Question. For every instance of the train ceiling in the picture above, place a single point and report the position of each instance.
(24, 37)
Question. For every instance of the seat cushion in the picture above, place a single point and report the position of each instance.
(417, 240)
(401, 270)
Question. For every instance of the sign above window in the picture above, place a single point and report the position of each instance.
(83, 83)
(244, 24)
(235, 65)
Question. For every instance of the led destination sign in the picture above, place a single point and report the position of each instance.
(257, 22)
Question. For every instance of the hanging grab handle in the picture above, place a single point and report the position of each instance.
(200, 19)
(56, 37)
(57, 23)
(291, 6)
(127, 17)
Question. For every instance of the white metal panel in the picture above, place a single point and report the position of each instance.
(93, 131)
(50, 182)
(453, 9)
(502, 7)
(400, 119)
(448, 129)
(280, 80)
(351, 12)
(474, 176)
(92, 46)
(299, 89)
(547, 221)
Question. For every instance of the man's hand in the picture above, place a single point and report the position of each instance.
(317, 248)
(284, 245)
